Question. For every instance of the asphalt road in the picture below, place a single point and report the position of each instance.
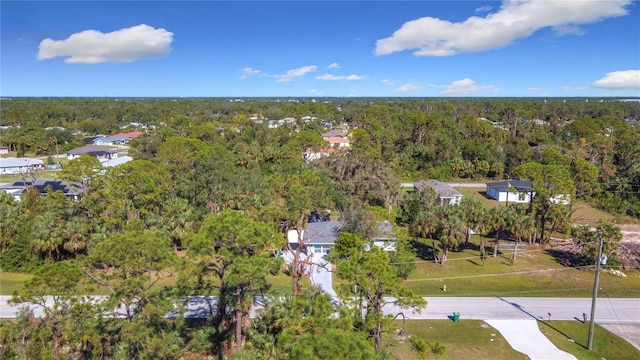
(621, 316)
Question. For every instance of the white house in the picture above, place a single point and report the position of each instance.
(319, 237)
(19, 165)
(519, 191)
(111, 140)
(445, 194)
(512, 191)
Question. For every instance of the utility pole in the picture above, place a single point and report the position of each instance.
(596, 282)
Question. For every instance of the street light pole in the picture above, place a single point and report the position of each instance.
(595, 294)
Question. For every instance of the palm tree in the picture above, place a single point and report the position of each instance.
(425, 226)
(451, 230)
(45, 235)
(522, 226)
(501, 218)
(75, 233)
(473, 213)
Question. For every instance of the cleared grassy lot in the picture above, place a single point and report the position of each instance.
(464, 340)
(474, 339)
(535, 273)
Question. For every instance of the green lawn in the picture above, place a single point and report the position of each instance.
(535, 273)
(464, 340)
(10, 282)
(474, 339)
(571, 336)
(45, 174)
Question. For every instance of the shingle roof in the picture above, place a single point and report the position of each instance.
(43, 184)
(91, 149)
(333, 133)
(19, 162)
(337, 140)
(443, 190)
(322, 232)
(325, 233)
(520, 185)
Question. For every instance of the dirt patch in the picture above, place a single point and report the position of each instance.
(630, 233)
(627, 253)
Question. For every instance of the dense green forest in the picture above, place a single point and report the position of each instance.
(204, 208)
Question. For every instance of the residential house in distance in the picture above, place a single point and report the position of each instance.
(20, 165)
(101, 152)
(319, 237)
(113, 140)
(445, 194)
(511, 191)
(18, 188)
(519, 191)
(336, 138)
(336, 141)
(4, 150)
(115, 161)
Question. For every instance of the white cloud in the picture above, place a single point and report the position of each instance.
(335, 65)
(485, 8)
(329, 77)
(295, 73)
(315, 92)
(341, 77)
(249, 72)
(465, 86)
(616, 80)
(516, 19)
(124, 45)
(562, 30)
(408, 87)
(387, 82)
(535, 89)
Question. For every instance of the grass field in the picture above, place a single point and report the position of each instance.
(45, 174)
(10, 282)
(474, 339)
(535, 273)
(464, 340)
(571, 336)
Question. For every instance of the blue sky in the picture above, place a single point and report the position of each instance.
(320, 48)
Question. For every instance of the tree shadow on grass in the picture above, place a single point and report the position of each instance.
(564, 257)
(423, 251)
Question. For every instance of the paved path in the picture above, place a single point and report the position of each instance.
(320, 272)
(525, 336)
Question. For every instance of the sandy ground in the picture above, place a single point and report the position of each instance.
(630, 233)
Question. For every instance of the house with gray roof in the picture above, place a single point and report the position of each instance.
(18, 188)
(445, 194)
(319, 237)
(20, 165)
(101, 152)
(112, 140)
